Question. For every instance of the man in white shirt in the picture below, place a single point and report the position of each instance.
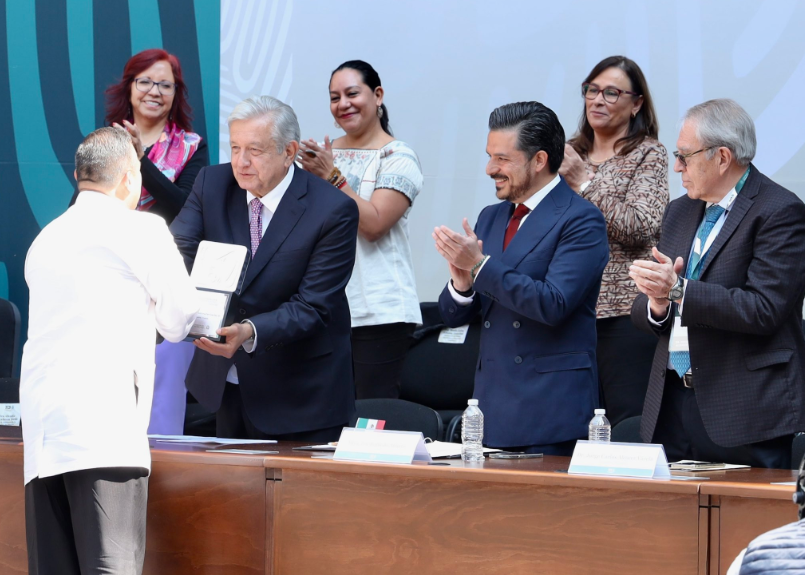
(725, 298)
(102, 277)
(532, 268)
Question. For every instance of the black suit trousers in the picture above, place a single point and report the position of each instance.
(681, 431)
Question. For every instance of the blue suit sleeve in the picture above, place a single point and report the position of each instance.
(575, 269)
(454, 314)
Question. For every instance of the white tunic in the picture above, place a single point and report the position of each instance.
(382, 288)
(101, 279)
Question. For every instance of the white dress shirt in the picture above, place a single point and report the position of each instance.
(101, 279)
(271, 202)
(531, 203)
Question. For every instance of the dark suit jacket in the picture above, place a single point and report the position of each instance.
(536, 379)
(300, 376)
(744, 316)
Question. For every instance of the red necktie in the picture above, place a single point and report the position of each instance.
(514, 224)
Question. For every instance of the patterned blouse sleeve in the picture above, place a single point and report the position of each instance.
(634, 220)
(400, 171)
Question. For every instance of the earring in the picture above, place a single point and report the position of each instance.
(379, 111)
(634, 114)
(336, 124)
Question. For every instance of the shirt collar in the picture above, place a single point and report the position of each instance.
(272, 199)
(727, 201)
(532, 202)
(98, 198)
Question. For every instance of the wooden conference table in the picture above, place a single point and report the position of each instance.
(291, 514)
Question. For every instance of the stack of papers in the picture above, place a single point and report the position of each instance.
(693, 465)
(444, 449)
(206, 440)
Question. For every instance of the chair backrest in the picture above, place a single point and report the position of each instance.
(401, 415)
(797, 450)
(9, 338)
(9, 390)
(627, 431)
(440, 375)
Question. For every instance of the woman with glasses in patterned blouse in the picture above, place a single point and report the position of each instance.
(616, 162)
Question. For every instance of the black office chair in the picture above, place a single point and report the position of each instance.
(400, 415)
(440, 375)
(628, 430)
(9, 338)
(9, 390)
(797, 449)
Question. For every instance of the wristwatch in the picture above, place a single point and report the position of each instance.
(677, 290)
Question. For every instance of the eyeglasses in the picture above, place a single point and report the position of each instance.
(611, 95)
(145, 85)
(683, 157)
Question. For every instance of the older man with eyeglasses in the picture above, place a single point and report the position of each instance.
(725, 298)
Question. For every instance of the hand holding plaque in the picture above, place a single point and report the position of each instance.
(218, 273)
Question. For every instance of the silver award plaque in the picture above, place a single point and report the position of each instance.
(218, 272)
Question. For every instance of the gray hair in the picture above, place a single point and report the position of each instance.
(284, 124)
(104, 156)
(724, 123)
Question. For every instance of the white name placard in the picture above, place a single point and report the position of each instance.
(380, 446)
(619, 459)
(9, 414)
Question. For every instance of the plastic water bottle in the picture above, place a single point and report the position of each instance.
(472, 432)
(600, 429)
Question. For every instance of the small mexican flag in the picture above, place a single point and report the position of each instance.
(364, 423)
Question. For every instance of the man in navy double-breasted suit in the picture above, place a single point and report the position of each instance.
(532, 268)
(285, 370)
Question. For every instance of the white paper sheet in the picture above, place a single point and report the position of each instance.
(444, 449)
(206, 440)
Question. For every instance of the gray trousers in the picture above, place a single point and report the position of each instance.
(87, 522)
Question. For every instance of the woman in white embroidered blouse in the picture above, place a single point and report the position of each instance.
(383, 176)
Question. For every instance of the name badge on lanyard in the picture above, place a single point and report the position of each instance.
(679, 333)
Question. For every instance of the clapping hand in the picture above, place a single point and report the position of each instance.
(573, 169)
(316, 159)
(462, 252)
(136, 139)
(655, 279)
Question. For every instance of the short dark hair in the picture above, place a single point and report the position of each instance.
(371, 79)
(537, 127)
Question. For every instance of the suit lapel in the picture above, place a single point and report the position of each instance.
(741, 205)
(493, 245)
(238, 212)
(689, 224)
(537, 225)
(289, 210)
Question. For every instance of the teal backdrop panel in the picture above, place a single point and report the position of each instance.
(57, 57)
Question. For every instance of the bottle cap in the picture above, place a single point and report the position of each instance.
(600, 411)
(472, 402)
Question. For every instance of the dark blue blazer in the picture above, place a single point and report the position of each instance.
(300, 376)
(536, 379)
